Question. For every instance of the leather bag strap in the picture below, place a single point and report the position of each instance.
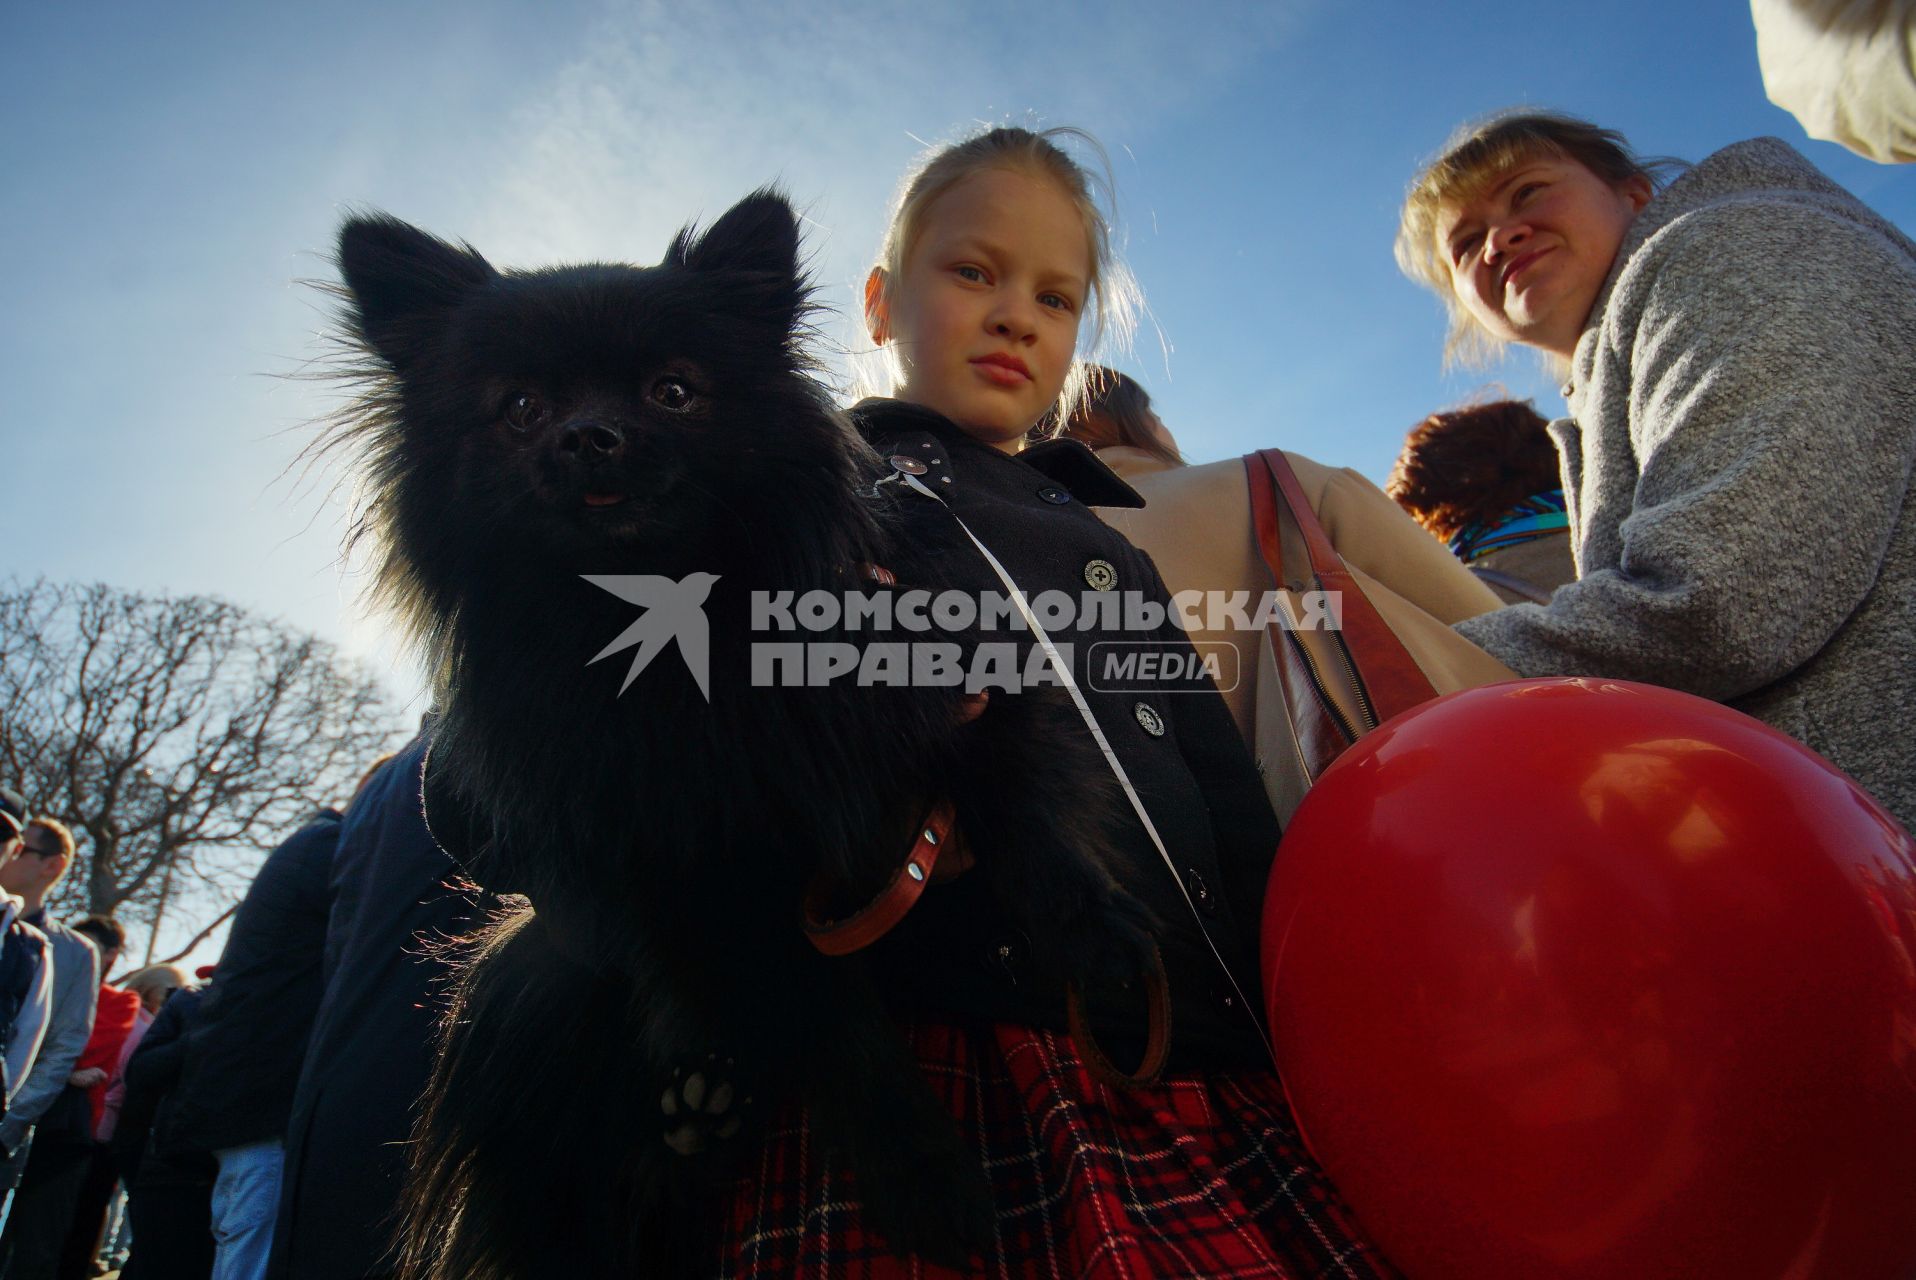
(1510, 582)
(1157, 1037)
(1389, 676)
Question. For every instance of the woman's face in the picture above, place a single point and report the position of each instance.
(985, 311)
(1530, 252)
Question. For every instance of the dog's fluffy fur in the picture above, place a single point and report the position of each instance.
(663, 842)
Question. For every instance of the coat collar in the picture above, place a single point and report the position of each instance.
(1067, 462)
(1767, 167)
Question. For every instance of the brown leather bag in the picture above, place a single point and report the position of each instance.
(1338, 683)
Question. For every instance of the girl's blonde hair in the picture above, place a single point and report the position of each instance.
(1114, 293)
(1476, 155)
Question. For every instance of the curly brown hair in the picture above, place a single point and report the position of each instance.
(1468, 465)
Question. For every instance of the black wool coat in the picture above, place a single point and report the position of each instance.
(1175, 738)
(243, 1058)
(152, 1075)
(392, 892)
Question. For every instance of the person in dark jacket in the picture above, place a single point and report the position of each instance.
(48, 1130)
(392, 893)
(169, 1192)
(243, 1059)
(26, 969)
(996, 251)
(957, 952)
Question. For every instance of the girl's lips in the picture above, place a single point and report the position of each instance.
(1002, 371)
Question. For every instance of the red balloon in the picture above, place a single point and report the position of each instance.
(1587, 980)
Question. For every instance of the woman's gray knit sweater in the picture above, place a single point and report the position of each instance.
(1738, 466)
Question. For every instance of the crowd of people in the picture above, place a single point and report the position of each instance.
(1725, 510)
(147, 1118)
(70, 1039)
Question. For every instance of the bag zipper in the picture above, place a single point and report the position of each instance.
(1364, 704)
(1329, 703)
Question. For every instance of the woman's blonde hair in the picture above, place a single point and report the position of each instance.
(1476, 155)
(1114, 293)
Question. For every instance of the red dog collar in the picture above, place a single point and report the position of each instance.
(876, 918)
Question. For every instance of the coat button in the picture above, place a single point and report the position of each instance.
(1007, 959)
(1200, 892)
(1149, 719)
(907, 464)
(1100, 576)
(1053, 494)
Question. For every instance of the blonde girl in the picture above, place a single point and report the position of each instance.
(997, 254)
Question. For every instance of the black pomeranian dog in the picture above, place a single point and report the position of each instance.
(519, 434)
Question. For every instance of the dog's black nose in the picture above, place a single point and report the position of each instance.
(591, 439)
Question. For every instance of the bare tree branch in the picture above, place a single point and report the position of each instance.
(179, 736)
(202, 935)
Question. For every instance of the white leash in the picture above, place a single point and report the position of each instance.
(1063, 668)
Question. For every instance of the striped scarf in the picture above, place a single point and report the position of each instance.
(1539, 514)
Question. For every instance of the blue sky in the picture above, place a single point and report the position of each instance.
(172, 171)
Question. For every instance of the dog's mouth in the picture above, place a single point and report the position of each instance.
(608, 501)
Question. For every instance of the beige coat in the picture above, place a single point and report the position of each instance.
(1196, 525)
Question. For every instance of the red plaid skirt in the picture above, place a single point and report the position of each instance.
(1202, 1175)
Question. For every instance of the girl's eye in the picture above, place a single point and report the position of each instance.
(1056, 301)
(1524, 192)
(525, 411)
(974, 274)
(673, 393)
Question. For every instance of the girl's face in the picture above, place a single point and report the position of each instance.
(985, 310)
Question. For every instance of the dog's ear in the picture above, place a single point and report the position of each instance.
(759, 233)
(403, 283)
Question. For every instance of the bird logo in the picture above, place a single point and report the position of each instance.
(673, 611)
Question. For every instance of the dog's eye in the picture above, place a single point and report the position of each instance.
(673, 394)
(525, 411)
